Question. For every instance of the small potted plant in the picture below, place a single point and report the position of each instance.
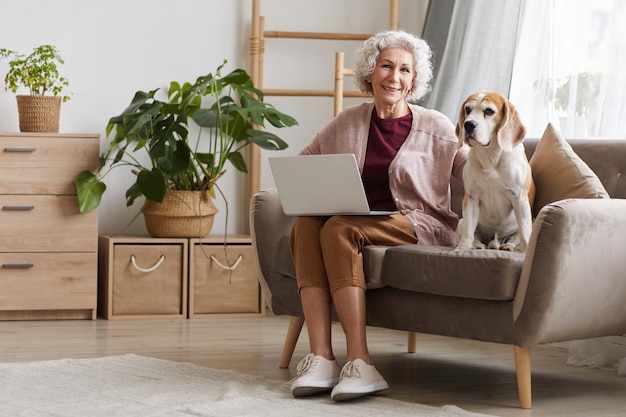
(557, 93)
(586, 93)
(39, 111)
(228, 113)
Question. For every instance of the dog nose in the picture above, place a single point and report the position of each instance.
(470, 126)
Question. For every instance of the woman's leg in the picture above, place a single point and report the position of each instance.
(313, 283)
(316, 304)
(350, 307)
(328, 259)
(318, 371)
(342, 240)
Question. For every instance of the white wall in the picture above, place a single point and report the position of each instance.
(113, 48)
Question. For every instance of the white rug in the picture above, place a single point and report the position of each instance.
(138, 386)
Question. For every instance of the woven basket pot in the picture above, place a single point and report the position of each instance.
(39, 113)
(181, 214)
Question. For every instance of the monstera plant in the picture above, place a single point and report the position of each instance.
(227, 112)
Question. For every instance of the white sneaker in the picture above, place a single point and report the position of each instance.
(358, 379)
(315, 374)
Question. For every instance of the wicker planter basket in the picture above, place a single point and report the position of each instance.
(39, 113)
(181, 214)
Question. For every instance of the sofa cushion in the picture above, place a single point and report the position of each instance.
(372, 262)
(559, 173)
(373, 258)
(439, 270)
(283, 263)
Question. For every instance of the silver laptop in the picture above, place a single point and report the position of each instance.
(320, 185)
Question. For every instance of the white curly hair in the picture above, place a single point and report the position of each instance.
(368, 55)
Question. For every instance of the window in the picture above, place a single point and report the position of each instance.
(568, 68)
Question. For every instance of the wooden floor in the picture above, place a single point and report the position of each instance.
(476, 376)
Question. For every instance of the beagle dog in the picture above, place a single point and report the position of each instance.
(499, 188)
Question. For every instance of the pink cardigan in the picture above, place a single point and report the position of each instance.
(419, 176)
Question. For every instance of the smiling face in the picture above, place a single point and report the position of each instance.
(391, 80)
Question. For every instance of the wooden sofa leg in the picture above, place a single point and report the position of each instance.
(411, 342)
(293, 333)
(522, 369)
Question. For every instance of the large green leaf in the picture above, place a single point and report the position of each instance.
(205, 117)
(138, 100)
(152, 184)
(266, 140)
(169, 133)
(238, 162)
(89, 190)
(258, 112)
(138, 121)
(237, 76)
(279, 119)
(205, 158)
(177, 162)
(210, 117)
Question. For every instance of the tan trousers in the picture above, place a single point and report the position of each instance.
(327, 250)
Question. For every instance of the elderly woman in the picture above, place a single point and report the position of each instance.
(407, 155)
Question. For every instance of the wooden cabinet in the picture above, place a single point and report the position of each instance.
(48, 250)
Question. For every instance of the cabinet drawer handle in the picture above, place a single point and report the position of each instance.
(18, 208)
(227, 267)
(17, 266)
(149, 269)
(20, 150)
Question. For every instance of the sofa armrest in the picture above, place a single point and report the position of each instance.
(268, 225)
(573, 282)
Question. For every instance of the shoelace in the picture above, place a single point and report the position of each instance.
(350, 371)
(305, 364)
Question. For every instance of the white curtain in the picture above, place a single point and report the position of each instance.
(474, 45)
(568, 68)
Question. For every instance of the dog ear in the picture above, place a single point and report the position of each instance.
(511, 131)
(459, 125)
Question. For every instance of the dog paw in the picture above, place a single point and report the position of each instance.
(479, 245)
(475, 245)
(509, 247)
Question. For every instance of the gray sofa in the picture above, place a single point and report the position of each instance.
(569, 285)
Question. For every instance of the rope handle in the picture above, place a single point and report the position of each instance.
(149, 269)
(227, 267)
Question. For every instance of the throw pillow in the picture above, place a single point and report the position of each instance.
(559, 173)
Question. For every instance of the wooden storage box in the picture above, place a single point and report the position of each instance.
(142, 277)
(216, 290)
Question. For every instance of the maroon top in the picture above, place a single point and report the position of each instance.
(385, 138)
